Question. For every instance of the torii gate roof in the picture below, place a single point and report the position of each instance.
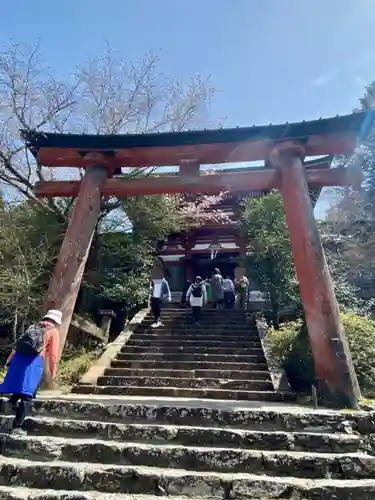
(328, 136)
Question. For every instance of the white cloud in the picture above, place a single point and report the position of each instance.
(360, 81)
(325, 77)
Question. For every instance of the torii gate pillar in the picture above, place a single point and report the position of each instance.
(336, 379)
(66, 278)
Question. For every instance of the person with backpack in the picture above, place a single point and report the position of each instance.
(197, 296)
(25, 366)
(229, 293)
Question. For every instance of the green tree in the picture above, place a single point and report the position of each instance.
(290, 345)
(106, 95)
(264, 225)
(346, 257)
(30, 237)
(351, 218)
(122, 270)
(125, 252)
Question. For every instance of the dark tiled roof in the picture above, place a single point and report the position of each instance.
(293, 131)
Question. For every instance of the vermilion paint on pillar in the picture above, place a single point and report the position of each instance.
(337, 381)
(66, 279)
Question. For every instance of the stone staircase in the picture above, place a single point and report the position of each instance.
(221, 359)
(113, 450)
(145, 445)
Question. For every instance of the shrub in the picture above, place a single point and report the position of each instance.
(74, 363)
(290, 345)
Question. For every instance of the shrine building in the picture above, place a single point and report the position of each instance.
(198, 251)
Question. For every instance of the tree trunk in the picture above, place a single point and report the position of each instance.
(15, 326)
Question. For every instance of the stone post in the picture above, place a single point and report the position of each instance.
(105, 324)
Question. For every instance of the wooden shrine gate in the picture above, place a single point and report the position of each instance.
(284, 149)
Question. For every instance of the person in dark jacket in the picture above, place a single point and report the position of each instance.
(229, 293)
(197, 297)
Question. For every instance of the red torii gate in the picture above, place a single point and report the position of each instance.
(283, 147)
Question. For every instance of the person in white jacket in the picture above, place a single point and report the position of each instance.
(197, 296)
(160, 292)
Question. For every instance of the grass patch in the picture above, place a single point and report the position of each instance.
(368, 401)
(75, 362)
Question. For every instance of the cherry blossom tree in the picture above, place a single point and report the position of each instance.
(105, 95)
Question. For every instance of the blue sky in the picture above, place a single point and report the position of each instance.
(271, 60)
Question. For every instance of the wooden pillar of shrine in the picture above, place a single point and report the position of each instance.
(66, 278)
(336, 379)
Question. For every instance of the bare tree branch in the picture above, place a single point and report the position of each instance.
(30, 98)
(106, 95)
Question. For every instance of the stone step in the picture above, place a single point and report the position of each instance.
(208, 309)
(176, 308)
(21, 493)
(199, 336)
(257, 351)
(182, 392)
(210, 326)
(191, 332)
(203, 383)
(190, 436)
(203, 325)
(197, 332)
(179, 342)
(178, 356)
(209, 414)
(209, 374)
(191, 458)
(168, 482)
(224, 315)
(205, 319)
(188, 365)
(204, 413)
